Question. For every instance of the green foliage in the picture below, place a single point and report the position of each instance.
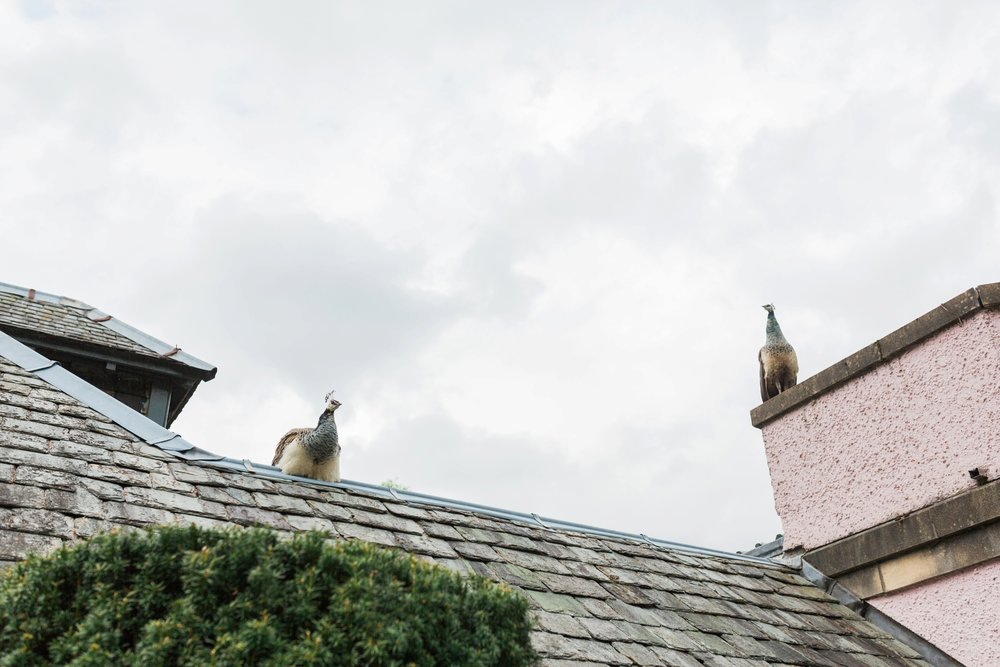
(190, 596)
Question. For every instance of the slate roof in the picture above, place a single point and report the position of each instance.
(27, 310)
(67, 471)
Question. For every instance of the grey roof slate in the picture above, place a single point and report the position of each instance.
(61, 317)
(68, 471)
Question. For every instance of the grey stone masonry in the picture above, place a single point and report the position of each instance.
(67, 473)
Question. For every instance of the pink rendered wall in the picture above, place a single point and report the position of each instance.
(958, 612)
(892, 440)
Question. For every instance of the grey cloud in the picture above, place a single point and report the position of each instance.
(303, 299)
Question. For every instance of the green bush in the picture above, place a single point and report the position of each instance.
(248, 597)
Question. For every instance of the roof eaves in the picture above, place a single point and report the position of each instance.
(121, 328)
(157, 436)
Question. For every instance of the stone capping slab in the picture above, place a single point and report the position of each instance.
(962, 512)
(936, 559)
(925, 326)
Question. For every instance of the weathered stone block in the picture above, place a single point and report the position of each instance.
(254, 516)
(366, 534)
(137, 514)
(36, 521)
(45, 478)
(388, 521)
(310, 523)
(16, 546)
(281, 503)
(16, 495)
(174, 501)
(422, 544)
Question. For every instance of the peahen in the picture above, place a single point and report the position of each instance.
(778, 364)
(312, 452)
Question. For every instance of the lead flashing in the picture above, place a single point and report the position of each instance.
(879, 352)
(133, 422)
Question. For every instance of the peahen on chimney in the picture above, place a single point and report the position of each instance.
(778, 364)
(312, 452)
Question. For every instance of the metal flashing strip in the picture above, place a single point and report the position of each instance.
(149, 342)
(878, 618)
(98, 317)
(157, 436)
(133, 422)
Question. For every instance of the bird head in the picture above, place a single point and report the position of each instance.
(331, 403)
(769, 308)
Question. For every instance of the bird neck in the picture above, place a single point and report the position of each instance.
(774, 330)
(322, 442)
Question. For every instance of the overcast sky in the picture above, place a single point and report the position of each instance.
(526, 242)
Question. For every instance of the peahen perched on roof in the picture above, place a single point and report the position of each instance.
(312, 452)
(778, 364)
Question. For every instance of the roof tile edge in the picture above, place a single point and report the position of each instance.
(885, 348)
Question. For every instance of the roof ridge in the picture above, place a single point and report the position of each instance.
(153, 434)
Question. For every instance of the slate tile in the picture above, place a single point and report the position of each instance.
(713, 643)
(604, 630)
(561, 624)
(584, 570)
(226, 495)
(407, 510)
(475, 551)
(455, 565)
(281, 503)
(440, 530)
(638, 633)
(558, 583)
(634, 614)
(632, 595)
(44, 522)
(422, 544)
(397, 524)
(330, 510)
(556, 603)
(254, 516)
(675, 658)
(358, 501)
(532, 561)
(366, 533)
(703, 604)
(516, 575)
(600, 608)
(675, 639)
(16, 546)
(137, 515)
(558, 646)
(310, 523)
(637, 653)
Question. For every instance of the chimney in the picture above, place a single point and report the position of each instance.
(884, 473)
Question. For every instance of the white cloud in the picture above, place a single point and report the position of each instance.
(526, 243)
